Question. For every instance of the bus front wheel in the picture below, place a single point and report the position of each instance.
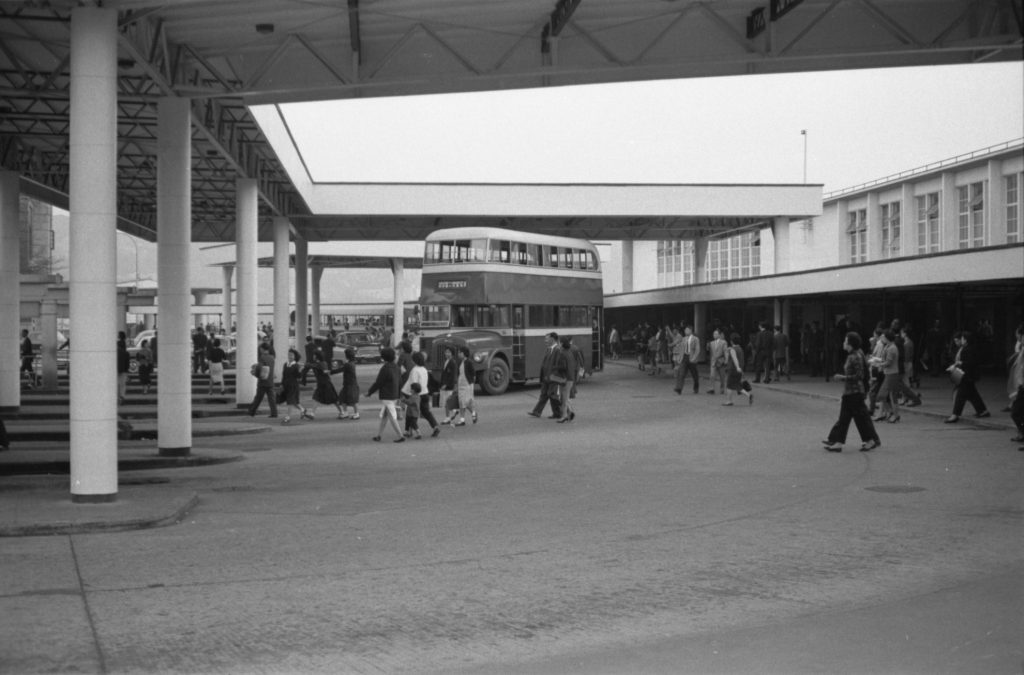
(496, 378)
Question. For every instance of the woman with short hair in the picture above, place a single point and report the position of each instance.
(851, 406)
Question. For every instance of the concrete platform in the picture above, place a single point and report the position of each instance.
(655, 534)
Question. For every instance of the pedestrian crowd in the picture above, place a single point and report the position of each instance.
(880, 374)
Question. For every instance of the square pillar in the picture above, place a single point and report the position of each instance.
(93, 254)
(246, 223)
(174, 236)
(301, 291)
(282, 293)
(10, 293)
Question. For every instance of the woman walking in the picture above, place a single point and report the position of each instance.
(734, 382)
(215, 357)
(290, 375)
(144, 357)
(964, 373)
(465, 383)
(419, 376)
(349, 397)
(852, 405)
(888, 363)
(123, 361)
(449, 381)
(325, 393)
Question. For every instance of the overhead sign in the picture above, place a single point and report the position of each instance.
(757, 21)
(781, 7)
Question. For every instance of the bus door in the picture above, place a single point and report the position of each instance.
(518, 343)
(596, 340)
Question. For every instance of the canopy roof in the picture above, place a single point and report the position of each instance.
(226, 55)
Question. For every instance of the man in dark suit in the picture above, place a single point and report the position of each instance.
(548, 389)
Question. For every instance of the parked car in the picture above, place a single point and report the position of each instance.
(367, 347)
(36, 337)
(135, 346)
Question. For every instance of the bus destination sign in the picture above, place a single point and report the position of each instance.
(450, 284)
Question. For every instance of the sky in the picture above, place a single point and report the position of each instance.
(861, 125)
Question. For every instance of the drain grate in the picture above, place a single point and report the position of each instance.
(148, 480)
(895, 488)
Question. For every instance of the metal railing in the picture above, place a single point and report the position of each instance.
(927, 168)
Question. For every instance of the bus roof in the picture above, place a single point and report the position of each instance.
(510, 235)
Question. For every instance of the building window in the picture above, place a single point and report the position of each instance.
(675, 263)
(737, 257)
(1013, 233)
(891, 230)
(971, 206)
(928, 223)
(857, 231)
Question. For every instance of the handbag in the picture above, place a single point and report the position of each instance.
(956, 375)
(556, 379)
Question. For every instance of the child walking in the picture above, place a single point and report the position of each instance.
(412, 411)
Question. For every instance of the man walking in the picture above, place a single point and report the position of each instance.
(548, 389)
(27, 358)
(264, 382)
(763, 354)
(717, 362)
(688, 363)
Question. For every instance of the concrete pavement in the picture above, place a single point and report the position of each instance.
(658, 533)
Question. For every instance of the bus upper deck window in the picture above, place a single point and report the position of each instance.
(533, 254)
(500, 251)
(552, 255)
(519, 253)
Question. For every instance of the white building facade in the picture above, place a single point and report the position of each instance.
(942, 242)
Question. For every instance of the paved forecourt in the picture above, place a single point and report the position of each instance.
(655, 531)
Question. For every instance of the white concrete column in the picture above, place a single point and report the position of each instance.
(874, 223)
(908, 220)
(318, 275)
(949, 215)
(700, 322)
(995, 205)
(93, 254)
(301, 291)
(700, 260)
(627, 266)
(10, 292)
(842, 239)
(398, 272)
(246, 228)
(282, 294)
(48, 322)
(174, 236)
(767, 236)
(780, 231)
(225, 297)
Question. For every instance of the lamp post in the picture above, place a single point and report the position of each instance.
(803, 132)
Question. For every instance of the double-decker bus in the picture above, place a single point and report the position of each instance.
(499, 292)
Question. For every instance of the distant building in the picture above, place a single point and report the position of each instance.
(942, 242)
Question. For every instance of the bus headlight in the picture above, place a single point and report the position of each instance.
(480, 357)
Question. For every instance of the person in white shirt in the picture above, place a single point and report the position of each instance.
(419, 375)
